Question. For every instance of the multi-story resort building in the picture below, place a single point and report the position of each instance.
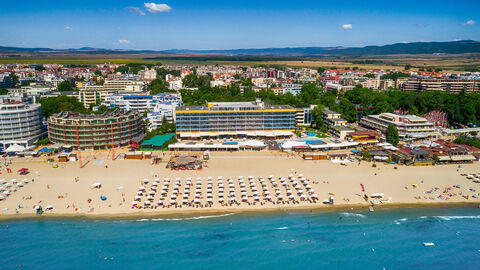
(92, 97)
(20, 123)
(158, 106)
(119, 86)
(236, 119)
(335, 123)
(142, 103)
(95, 131)
(409, 126)
(448, 85)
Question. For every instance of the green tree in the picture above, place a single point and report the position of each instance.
(39, 68)
(317, 117)
(15, 80)
(66, 86)
(392, 135)
(3, 91)
(157, 86)
(366, 156)
(98, 72)
(43, 141)
(60, 103)
(369, 75)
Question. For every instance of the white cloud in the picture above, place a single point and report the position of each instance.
(155, 8)
(68, 27)
(136, 10)
(123, 41)
(347, 26)
(470, 22)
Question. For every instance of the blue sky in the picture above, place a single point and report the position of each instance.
(227, 24)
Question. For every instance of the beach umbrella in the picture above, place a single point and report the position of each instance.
(19, 185)
(23, 170)
(2, 198)
(160, 202)
(48, 207)
(167, 179)
(197, 201)
(209, 200)
(14, 181)
(148, 202)
(145, 181)
(280, 197)
(103, 198)
(139, 193)
(219, 178)
(151, 192)
(291, 197)
(209, 178)
(134, 203)
(149, 197)
(220, 199)
(153, 188)
(138, 197)
(244, 193)
(184, 201)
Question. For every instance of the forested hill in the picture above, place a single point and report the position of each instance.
(451, 47)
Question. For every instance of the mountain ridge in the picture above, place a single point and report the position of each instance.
(448, 47)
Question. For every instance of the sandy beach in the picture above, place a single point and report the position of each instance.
(120, 180)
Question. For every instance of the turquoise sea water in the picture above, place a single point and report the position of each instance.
(384, 239)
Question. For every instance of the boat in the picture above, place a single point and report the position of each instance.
(428, 244)
(370, 209)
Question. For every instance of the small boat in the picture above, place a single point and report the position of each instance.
(429, 244)
(370, 209)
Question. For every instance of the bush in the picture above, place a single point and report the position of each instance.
(43, 141)
(374, 165)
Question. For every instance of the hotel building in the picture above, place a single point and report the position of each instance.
(448, 85)
(235, 117)
(20, 123)
(95, 131)
(409, 126)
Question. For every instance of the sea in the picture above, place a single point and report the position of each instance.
(383, 239)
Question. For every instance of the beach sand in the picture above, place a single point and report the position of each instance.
(57, 186)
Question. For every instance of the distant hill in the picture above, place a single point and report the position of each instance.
(451, 47)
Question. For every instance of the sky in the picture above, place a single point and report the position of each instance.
(228, 24)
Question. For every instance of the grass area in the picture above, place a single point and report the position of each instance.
(445, 62)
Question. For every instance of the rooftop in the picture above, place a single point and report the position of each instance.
(75, 115)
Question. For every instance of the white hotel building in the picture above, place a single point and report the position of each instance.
(409, 126)
(157, 106)
(20, 123)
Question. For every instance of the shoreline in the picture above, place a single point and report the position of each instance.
(191, 214)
